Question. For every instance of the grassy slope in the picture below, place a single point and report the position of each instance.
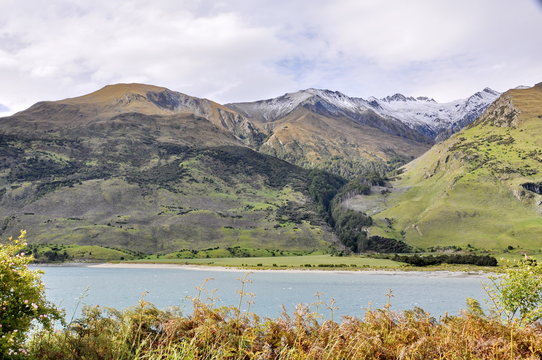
(79, 253)
(91, 172)
(212, 204)
(467, 190)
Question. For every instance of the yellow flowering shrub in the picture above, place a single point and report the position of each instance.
(22, 299)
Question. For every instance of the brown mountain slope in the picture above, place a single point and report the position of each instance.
(320, 128)
(105, 104)
(308, 138)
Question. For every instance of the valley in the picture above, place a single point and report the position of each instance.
(146, 171)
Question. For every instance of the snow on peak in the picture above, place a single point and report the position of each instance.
(491, 91)
(397, 97)
(403, 98)
(273, 109)
(425, 98)
(422, 113)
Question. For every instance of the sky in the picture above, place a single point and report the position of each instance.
(246, 50)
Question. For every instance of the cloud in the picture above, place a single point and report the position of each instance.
(63, 50)
(450, 49)
(240, 50)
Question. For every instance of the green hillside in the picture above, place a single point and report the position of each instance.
(104, 170)
(481, 187)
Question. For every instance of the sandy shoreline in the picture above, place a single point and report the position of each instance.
(437, 273)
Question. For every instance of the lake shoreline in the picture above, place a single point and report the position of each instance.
(368, 271)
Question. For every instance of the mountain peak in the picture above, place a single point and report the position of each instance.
(491, 91)
(275, 108)
(116, 91)
(403, 98)
(425, 98)
(398, 97)
(315, 91)
(325, 94)
(487, 93)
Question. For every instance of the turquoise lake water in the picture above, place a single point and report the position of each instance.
(354, 292)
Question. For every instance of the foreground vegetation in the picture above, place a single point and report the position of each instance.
(145, 332)
(510, 330)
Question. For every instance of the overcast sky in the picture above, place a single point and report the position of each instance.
(244, 50)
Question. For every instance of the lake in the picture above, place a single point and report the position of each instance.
(354, 292)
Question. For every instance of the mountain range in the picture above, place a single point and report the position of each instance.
(422, 114)
(322, 128)
(153, 170)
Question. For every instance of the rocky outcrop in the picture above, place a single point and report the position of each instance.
(533, 187)
(501, 113)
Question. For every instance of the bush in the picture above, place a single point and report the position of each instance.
(517, 294)
(22, 299)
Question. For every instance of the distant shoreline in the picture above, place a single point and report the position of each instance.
(432, 273)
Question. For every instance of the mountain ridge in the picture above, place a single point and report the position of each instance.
(422, 113)
(143, 99)
(327, 129)
(150, 169)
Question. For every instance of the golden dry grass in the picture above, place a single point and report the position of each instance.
(145, 332)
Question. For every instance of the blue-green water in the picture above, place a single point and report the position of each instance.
(353, 291)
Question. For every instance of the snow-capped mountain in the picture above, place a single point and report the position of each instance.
(276, 108)
(423, 114)
(328, 103)
(432, 118)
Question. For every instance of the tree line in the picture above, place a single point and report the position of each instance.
(465, 259)
(328, 191)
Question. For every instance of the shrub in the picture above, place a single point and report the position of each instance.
(22, 299)
(517, 294)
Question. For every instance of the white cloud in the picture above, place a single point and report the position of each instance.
(240, 50)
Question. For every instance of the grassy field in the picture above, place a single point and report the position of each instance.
(321, 262)
(61, 253)
(251, 258)
(286, 261)
(512, 256)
